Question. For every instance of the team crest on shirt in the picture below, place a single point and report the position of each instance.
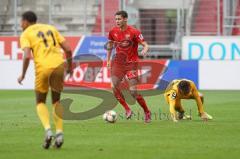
(174, 95)
(116, 35)
(127, 36)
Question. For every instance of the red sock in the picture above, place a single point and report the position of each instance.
(119, 96)
(142, 103)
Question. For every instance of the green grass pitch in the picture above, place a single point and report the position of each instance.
(21, 133)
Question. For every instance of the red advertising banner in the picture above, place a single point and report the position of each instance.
(10, 47)
(96, 75)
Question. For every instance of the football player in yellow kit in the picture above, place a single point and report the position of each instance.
(44, 42)
(183, 89)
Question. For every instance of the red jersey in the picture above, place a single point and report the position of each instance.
(131, 34)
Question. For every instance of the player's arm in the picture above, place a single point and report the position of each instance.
(26, 60)
(109, 48)
(145, 47)
(66, 48)
(26, 47)
(172, 110)
(201, 97)
(198, 100)
(141, 41)
(171, 98)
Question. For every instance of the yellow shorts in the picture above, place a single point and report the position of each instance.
(51, 77)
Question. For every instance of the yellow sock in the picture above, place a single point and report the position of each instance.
(43, 115)
(57, 117)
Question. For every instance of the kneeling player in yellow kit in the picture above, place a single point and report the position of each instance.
(183, 89)
(45, 43)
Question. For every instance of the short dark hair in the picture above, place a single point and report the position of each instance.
(122, 13)
(29, 16)
(184, 87)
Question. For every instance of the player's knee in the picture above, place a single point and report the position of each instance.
(55, 96)
(40, 97)
(134, 94)
(180, 115)
(54, 101)
(115, 84)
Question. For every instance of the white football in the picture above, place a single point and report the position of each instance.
(110, 116)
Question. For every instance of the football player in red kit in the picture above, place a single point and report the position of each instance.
(124, 64)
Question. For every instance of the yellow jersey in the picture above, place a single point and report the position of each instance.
(44, 41)
(173, 92)
(173, 95)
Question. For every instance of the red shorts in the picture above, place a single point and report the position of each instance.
(128, 70)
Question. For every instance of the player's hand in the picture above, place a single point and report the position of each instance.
(205, 116)
(20, 79)
(69, 71)
(144, 52)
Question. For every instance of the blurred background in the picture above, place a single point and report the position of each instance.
(163, 23)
